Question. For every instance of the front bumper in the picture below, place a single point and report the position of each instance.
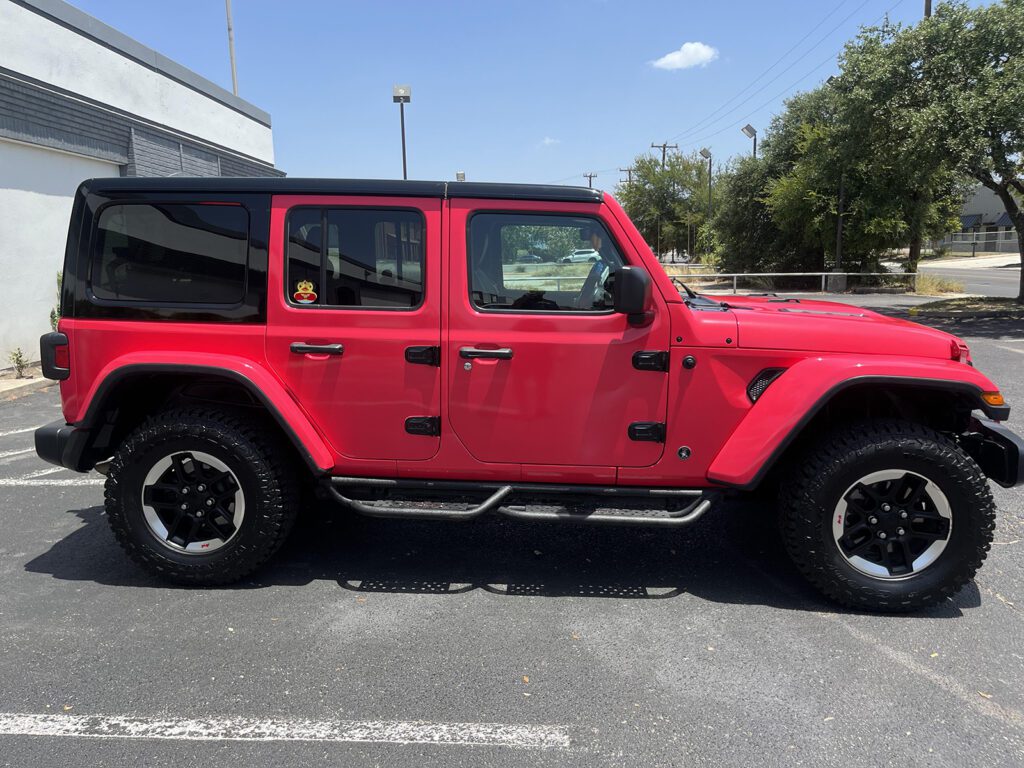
(998, 451)
(62, 444)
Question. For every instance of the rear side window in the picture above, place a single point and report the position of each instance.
(355, 257)
(171, 253)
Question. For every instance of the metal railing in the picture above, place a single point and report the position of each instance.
(734, 277)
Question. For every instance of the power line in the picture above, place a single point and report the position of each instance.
(753, 82)
(785, 90)
(710, 119)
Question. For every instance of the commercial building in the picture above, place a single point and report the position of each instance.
(78, 99)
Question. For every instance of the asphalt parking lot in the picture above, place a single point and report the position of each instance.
(373, 642)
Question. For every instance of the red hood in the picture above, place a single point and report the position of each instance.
(828, 326)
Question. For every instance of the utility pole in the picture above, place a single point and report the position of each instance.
(629, 174)
(664, 151)
(590, 179)
(927, 9)
(839, 225)
(231, 48)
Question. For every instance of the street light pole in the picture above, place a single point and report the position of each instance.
(706, 154)
(231, 48)
(751, 133)
(402, 95)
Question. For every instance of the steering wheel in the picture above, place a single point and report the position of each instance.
(595, 282)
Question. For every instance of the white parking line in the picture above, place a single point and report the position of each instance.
(20, 431)
(19, 452)
(248, 729)
(39, 482)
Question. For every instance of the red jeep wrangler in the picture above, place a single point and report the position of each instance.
(226, 342)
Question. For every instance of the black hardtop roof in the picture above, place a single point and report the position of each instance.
(382, 187)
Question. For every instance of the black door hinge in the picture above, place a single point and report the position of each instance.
(423, 355)
(647, 431)
(650, 361)
(423, 425)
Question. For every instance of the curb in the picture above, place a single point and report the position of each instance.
(987, 315)
(26, 388)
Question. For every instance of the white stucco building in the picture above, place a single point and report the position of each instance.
(78, 99)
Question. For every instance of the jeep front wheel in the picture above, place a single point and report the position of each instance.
(887, 516)
(200, 497)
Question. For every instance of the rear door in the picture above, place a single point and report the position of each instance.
(541, 368)
(354, 320)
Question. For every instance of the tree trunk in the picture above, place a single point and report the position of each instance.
(1018, 222)
(914, 253)
(1017, 217)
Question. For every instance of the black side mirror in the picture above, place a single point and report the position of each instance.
(631, 294)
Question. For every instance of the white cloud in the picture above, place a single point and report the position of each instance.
(688, 55)
(547, 141)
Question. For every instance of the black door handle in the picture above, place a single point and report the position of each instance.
(471, 353)
(301, 348)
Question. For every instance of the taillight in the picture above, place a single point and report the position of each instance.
(55, 356)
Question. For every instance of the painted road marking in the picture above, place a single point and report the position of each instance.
(19, 452)
(20, 431)
(248, 729)
(40, 482)
(1011, 349)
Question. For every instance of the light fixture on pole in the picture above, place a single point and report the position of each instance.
(751, 133)
(706, 154)
(402, 95)
(460, 175)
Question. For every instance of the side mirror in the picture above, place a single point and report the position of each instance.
(631, 295)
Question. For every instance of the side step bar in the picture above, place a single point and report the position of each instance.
(699, 502)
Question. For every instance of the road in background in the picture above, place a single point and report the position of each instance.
(982, 275)
(491, 643)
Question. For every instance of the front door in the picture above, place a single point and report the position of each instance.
(541, 369)
(354, 319)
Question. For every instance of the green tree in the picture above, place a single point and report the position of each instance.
(668, 204)
(966, 69)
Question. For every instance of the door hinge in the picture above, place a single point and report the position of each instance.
(647, 431)
(423, 425)
(650, 361)
(423, 355)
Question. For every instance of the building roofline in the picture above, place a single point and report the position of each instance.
(78, 21)
(368, 187)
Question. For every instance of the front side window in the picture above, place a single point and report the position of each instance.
(541, 263)
(355, 257)
(171, 253)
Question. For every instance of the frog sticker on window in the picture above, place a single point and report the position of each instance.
(304, 293)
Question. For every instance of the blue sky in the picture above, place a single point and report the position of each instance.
(527, 91)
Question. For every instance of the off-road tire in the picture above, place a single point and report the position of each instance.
(265, 473)
(818, 480)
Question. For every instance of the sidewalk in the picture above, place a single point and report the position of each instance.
(978, 262)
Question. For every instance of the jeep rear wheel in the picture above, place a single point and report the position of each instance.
(200, 497)
(887, 516)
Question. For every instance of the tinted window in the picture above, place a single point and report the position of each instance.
(358, 257)
(171, 253)
(541, 263)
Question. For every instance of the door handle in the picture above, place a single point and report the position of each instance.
(473, 353)
(301, 348)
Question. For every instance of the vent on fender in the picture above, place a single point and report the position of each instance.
(762, 381)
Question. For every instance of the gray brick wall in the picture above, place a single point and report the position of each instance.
(43, 116)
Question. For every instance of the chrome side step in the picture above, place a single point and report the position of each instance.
(692, 503)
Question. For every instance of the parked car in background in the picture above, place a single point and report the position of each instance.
(581, 256)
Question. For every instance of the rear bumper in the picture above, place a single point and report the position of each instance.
(62, 444)
(998, 451)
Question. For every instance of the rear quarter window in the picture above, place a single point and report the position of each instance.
(170, 253)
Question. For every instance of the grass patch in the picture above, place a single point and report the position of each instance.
(932, 285)
(972, 305)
